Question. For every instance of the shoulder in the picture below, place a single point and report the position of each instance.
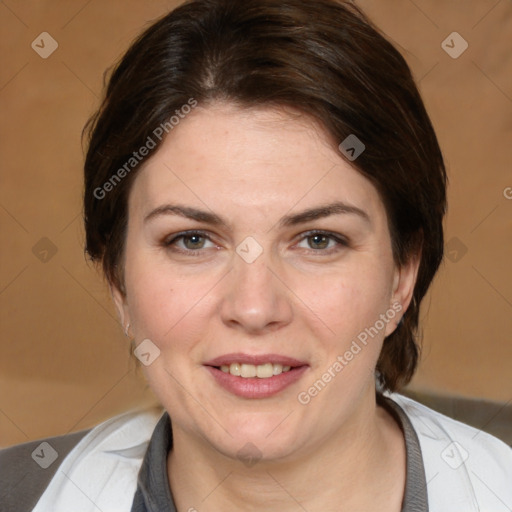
(463, 465)
(37, 471)
(436, 425)
(26, 469)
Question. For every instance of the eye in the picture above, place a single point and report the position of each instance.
(322, 241)
(190, 241)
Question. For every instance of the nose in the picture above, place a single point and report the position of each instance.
(256, 300)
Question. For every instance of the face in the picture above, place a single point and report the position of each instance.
(254, 248)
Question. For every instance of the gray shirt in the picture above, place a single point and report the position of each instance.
(22, 481)
(154, 495)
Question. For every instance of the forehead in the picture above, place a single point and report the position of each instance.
(261, 158)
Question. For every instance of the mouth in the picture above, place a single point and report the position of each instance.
(251, 376)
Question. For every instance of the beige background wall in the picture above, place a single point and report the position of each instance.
(64, 361)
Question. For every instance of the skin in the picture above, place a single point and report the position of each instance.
(303, 297)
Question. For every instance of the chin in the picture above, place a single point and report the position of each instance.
(262, 440)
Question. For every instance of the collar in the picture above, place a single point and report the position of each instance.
(153, 493)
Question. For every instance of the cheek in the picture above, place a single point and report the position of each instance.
(164, 304)
(348, 300)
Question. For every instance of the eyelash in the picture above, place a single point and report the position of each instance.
(341, 241)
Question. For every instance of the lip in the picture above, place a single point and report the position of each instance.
(255, 359)
(255, 387)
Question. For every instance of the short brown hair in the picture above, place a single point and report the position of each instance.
(321, 57)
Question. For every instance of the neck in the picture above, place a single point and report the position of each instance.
(359, 466)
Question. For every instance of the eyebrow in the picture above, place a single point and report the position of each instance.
(311, 214)
(320, 212)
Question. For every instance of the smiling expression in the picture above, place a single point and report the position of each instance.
(252, 246)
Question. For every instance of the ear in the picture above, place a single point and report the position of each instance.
(121, 305)
(404, 281)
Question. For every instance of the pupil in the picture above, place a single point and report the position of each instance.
(319, 240)
(193, 240)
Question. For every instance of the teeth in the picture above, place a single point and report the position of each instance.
(235, 369)
(248, 370)
(262, 371)
(277, 369)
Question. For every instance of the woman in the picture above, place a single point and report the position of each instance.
(265, 194)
